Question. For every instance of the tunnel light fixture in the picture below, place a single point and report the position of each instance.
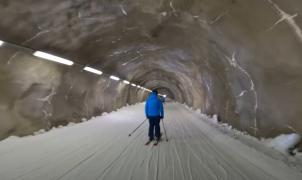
(92, 70)
(114, 78)
(134, 85)
(1, 43)
(126, 82)
(162, 95)
(51, 57)
(138, 86)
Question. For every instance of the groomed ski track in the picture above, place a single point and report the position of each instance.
(101, 149)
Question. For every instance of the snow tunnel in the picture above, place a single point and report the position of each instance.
(237, 59)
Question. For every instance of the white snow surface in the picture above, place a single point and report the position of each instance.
(198, 149)
(283, 142)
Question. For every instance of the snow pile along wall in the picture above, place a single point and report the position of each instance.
(285, 143)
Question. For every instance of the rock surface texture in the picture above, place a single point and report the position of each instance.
(238, 59)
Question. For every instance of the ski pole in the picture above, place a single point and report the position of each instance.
(165, 131)
(137, 127)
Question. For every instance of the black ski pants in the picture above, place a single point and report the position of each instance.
(154, 125)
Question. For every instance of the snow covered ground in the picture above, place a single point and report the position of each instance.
(101, 149)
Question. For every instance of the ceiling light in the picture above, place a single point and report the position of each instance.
(126, 82)
(1, 43)
(134, 85)
(114, 78)
(52, 58)
(95, 71)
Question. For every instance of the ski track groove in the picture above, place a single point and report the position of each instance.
(173, 168)
(193, 151)
(45, 159)
(214, 149)
(95, 152)
(179, 161)
(86, 159)
(148, 164)
(196, 156)
(106, 148)
(189, 166)
(138, 146)
(157, 164)
(117, 157)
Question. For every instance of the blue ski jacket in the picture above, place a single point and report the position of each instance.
(154, 107)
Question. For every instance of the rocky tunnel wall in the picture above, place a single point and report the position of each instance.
(38, 94)
(238, 59)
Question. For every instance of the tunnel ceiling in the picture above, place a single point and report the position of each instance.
(226, 57)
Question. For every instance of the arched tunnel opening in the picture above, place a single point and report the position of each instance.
(230, 71)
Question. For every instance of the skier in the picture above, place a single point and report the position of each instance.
(154, 112)
(162, 99)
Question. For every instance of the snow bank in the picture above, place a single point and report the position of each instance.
(41, 131)
(284, 142)
(70, 124)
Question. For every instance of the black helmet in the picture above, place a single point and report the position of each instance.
(155, 91)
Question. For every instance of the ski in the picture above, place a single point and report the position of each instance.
(156, 143)
(148, 142)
